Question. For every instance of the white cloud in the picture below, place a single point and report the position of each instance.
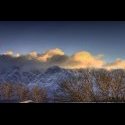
(10, 53)
(17, 55)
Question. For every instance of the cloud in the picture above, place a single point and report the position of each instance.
(17, 55)
(9, 53)
(81, 59)
(58, 59)
(117, 64)
(49, 54)
(84, 59)
(33, 54)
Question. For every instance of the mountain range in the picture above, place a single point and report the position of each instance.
(33, 73)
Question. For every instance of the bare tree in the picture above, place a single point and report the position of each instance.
(6, 91)
(85, 85)
(93, 85)
(76, 89)
(38, 94)
(103, 81)
(22, 92)
(118, 85)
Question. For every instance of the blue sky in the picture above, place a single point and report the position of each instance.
(97, 37)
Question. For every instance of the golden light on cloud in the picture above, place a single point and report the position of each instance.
(84, 59)
(81, 59)
(33, 54)
(50, 53)
(82, 56)
(117, 64)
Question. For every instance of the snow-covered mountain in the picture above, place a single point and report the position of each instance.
(47, 79)
(15, 75)
(50, 79)
(32, 73)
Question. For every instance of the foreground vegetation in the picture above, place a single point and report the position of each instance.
(20, 92)
(95, 85)
(86, 85)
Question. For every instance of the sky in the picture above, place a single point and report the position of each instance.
(97, 37)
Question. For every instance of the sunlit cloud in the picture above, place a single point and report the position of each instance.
(117, 64)
(49, 54)
(81, 59)
(33, 54)
(84, 59)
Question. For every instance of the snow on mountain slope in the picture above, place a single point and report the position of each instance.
(32, 73)
(14, 75)
(50, 79)
(47, 79)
